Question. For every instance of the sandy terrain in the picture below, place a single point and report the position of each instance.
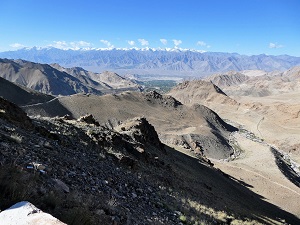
(276, 120)
(256, 168)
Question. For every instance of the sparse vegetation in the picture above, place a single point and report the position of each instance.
(18, 185)
(183, 219)
(161, 86)
(15, 185)
(52, 200)
(77, 216)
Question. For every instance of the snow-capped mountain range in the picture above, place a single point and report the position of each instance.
(157, 62)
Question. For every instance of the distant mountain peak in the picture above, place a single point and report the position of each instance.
(154, 61)
(175, 49)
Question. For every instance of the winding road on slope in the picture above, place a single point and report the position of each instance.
(258, 169)
(41, 103)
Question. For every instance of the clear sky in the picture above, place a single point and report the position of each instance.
(244, 26)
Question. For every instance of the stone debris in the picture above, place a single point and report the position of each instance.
(91, 160)
(165, 100)
(89, 119)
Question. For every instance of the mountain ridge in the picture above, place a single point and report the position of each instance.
(56, 80)
(209, 130)
(12, 92)
(182, 63)
(257, 83)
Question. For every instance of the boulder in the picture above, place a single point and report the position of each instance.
(89, 119)
(26, 213)
(141, 131)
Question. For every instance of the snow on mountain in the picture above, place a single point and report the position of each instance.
(150, 61)
(25, 213)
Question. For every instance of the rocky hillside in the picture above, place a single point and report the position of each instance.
(109, 80)
(196, 129)
(270, 108)
(228, 79)
(172, 62)
(56, 80)
(200, 92)
(258, 83)
(80, 171)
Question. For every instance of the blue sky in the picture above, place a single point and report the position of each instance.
(248, 27)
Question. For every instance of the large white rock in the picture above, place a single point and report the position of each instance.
(25, 213)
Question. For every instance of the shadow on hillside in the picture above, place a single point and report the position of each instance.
(21, 95)
(236, 180)
(285, 169)
(49, 109)
(215, 189)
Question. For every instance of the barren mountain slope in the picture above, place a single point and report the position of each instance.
(197, 128)
(265, 173)
(274, 118)
(257, 83)
(113, 80)
(82, 75)
(293, 73)
(21, 95)
(261, 86)
(230, 78)
(96, 175)
(200, 92)
(56, 80)
(102, 81)
(42, 78)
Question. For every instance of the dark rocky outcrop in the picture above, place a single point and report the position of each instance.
(89, 119)
(165, 100)
(12, 113)
(140, 130)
